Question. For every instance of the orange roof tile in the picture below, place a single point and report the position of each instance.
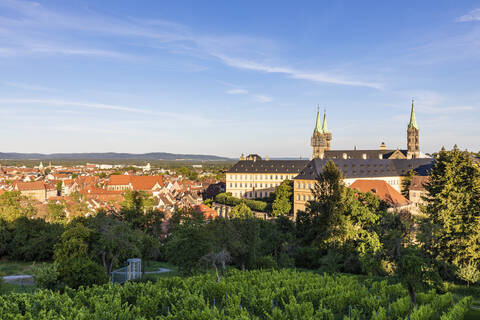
(24, 186)
(119, 180)
(382, 190)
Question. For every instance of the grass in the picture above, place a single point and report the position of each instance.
(9, 268)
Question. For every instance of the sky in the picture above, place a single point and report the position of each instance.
(233, 77)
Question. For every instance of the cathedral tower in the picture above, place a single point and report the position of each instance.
(321, 137)
(412, 136)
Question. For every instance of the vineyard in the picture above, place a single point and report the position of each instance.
(285, 294)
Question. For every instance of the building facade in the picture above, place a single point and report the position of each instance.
(254, 177)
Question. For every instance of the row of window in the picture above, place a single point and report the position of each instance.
(260, 177)
(252, 194)
(304, 197)
(304, 185)
(252, 185)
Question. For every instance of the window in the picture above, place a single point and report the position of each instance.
(303, 186)
(230, 184)
(298, 185)
(235, 184)
(271, 177)
(276, 177)
(298, 197)
(303, 197)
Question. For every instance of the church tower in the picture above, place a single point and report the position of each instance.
(412, 136)
(321, 137)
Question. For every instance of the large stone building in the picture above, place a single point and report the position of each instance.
(254, 177)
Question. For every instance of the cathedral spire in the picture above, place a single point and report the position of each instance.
(318, 127)
(324, 126)
(413, 119)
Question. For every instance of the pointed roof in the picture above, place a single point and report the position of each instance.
(413, 119)
(318, 127)
(324, 126)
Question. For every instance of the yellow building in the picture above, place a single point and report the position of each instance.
(253, 177)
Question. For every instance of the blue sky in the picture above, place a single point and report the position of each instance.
(232, 77)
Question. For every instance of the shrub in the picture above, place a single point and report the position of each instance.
(78, 271)
(265, 262)
(46, 276)
(469, 273)
(228, 199)
(3, 288)
(33, 239)
(307, 257)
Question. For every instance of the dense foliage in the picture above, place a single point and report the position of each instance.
(285, 294)
(228, 199)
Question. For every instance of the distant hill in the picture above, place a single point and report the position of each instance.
(110, 156)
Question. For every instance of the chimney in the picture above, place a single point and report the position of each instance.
(344, 155)
(364, 156)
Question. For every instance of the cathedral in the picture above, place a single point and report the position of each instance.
(321, 140)
(253, 177)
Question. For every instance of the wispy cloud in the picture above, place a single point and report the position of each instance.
(28, 86)
(66, 103)
(173, 116)
(160, 35)
(294, 73)
(262, 98)
(473, 15)
(237, 91)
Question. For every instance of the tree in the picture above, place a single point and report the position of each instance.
(282, 205)
(241, 211)
(415, 271)
(452, 227)
(59, 188)
(75, 265)
(406, 182)
(113, 241)
(340, 218)
(32, 239)
(56, 212)
(187, 245)
(13, 206)
(469, 273)
(138, 210)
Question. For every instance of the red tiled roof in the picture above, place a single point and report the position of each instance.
(418, 182)
(119, 180)
(144, 183)
(382, 190)
(139, 183)
(208, 212)
(24, 186)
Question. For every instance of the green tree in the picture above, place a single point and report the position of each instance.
(416, 271)
(56, 212)
(452, 226)
(241, 211)
(72, 256)
(138, 210)
(282, 205)
(406, 182)
(112, 241)
(13, 206)
(59, 187)
(33, 239)
(469, 273)
(187, 245)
